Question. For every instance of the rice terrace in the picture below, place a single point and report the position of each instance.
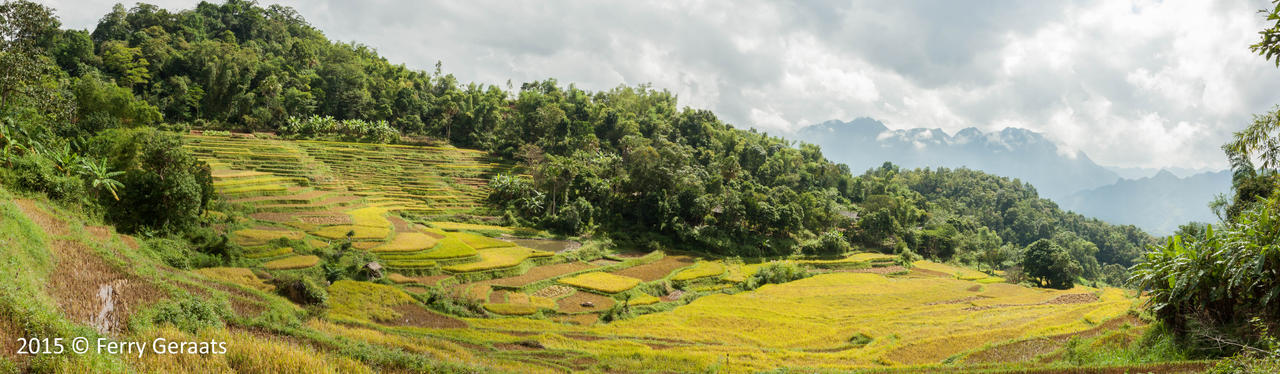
(227, 189)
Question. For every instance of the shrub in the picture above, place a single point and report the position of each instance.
(774, 273)
(189, 314)
(829, 243)
(299, 289)
(177, 253)
(33, 172)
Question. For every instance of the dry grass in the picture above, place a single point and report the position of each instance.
(603, 282)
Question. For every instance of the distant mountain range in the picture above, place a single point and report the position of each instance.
(1157, 204)
(865, 143)
(1155, 200)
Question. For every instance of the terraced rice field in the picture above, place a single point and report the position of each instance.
(810, 323)
(306, 195)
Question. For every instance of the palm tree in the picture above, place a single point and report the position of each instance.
(100, 176)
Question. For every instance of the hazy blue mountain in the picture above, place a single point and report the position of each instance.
(1136, 173)
(1019, 153)
(1157, 204)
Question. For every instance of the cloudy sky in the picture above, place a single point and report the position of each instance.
(1130, 83)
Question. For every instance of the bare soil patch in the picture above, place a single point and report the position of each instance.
(400, 224)
(51, 225)
(673, 296)
(272, 217)
(498, 297)
(573, 303)
(604, 262)
(325, 218)
(91, 291)
(429, 280)
(656, 270)
(102, 233)
(417, 316)
(1077, 298)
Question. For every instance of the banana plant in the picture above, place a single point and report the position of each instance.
(64, 158)
(101, 176)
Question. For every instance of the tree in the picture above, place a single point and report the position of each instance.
(165, 187)
(1050, 265)
(1269, 45)
(24, 27)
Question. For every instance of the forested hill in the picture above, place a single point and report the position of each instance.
(982, 219)
(626, 162)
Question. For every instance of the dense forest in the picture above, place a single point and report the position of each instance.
(627, 161)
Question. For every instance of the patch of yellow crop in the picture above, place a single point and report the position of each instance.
(601, 281)
(369, 217)
(240, 276)
(739, 273)
(497, 258)
(250, 237)
(702, 269)
(294, 262)
(469, 226)
(450, 247)
(643, 300)
(407, 242)
(364, 301)
(481, 241)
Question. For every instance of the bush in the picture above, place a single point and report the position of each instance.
(829, 243)
(189, 314)
(178, 254)
(300, 289)
(33, 172)
(774, 273)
